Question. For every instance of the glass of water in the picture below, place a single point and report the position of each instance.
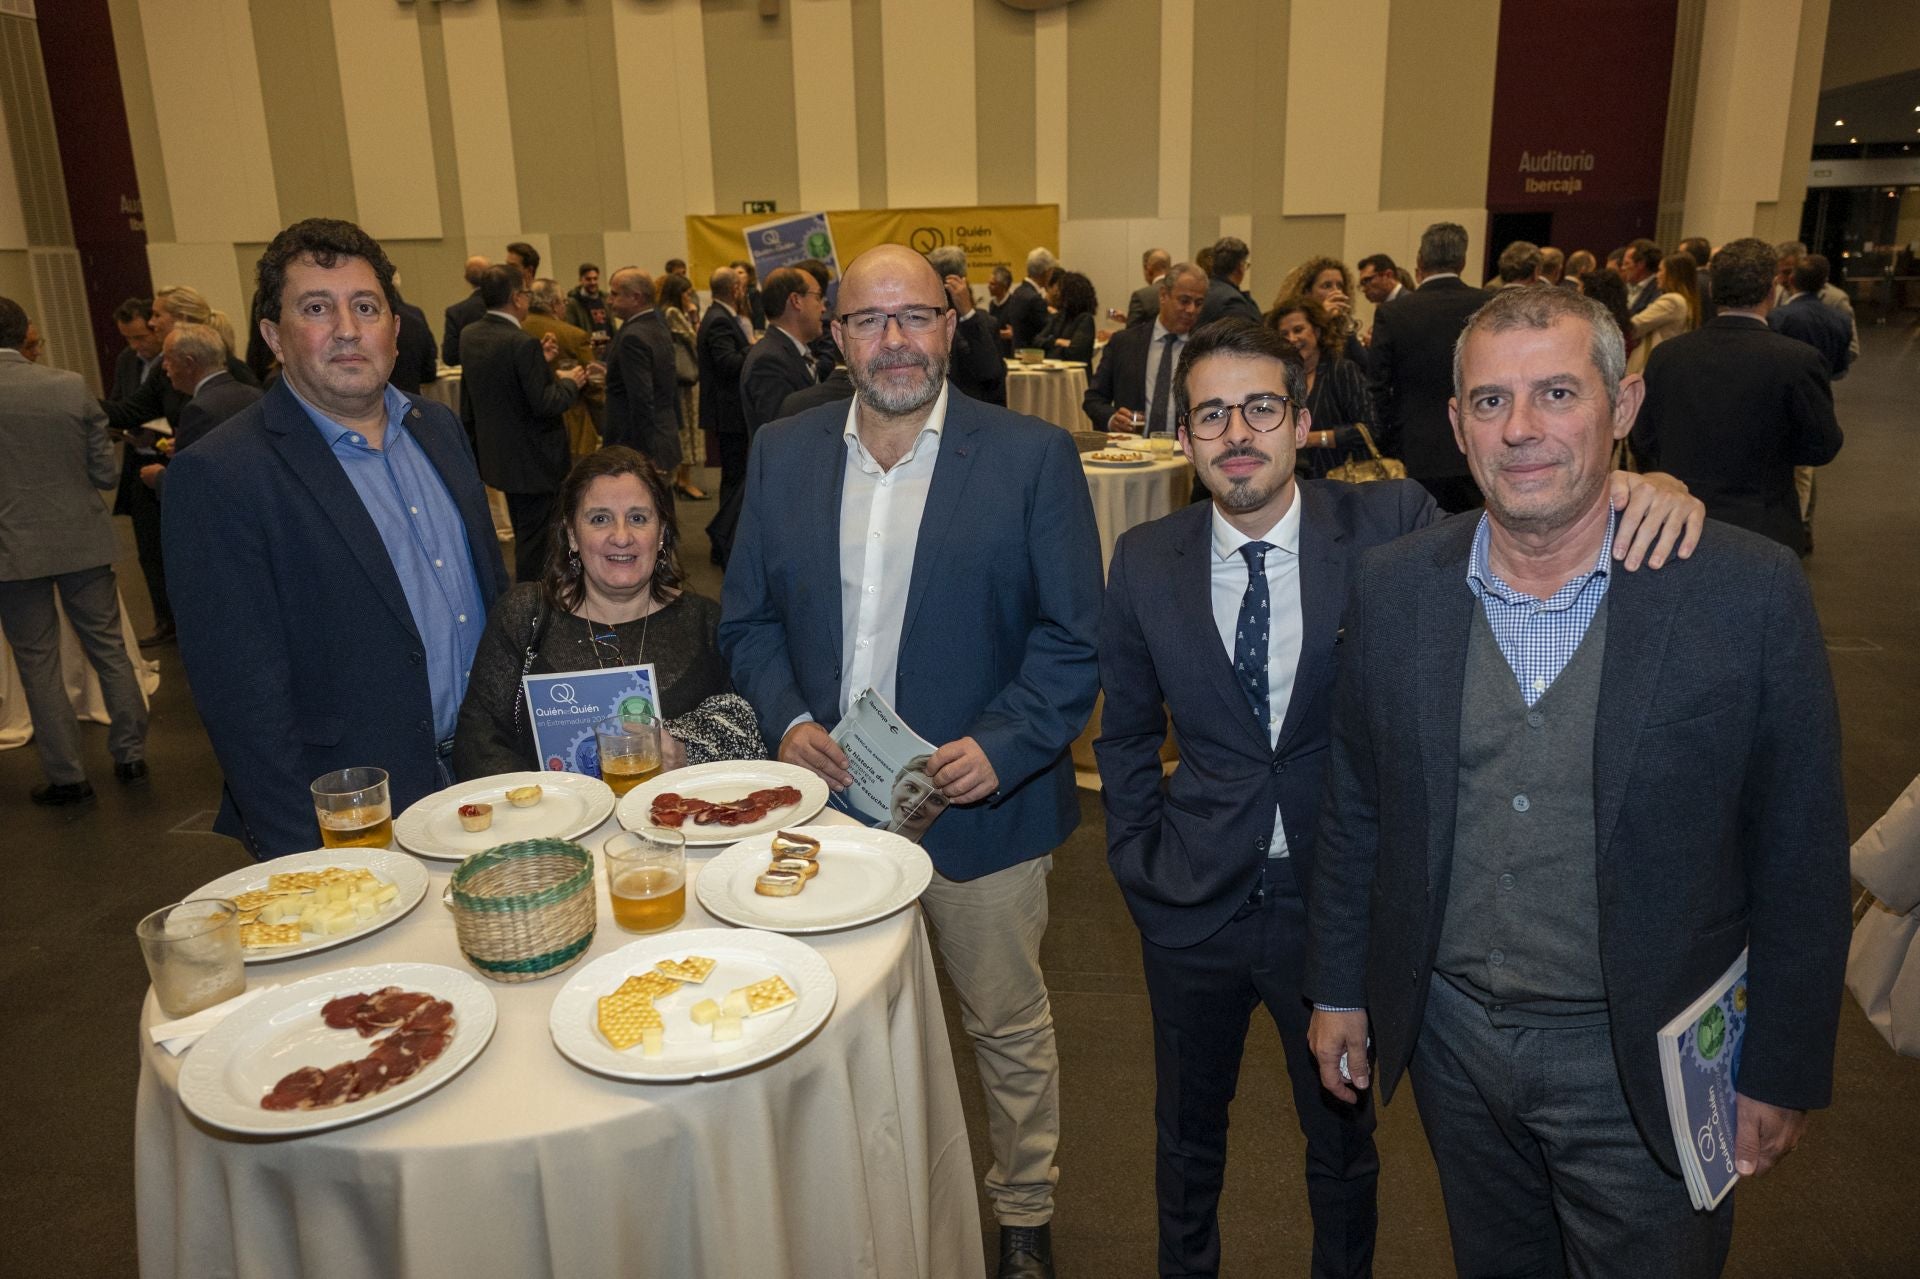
(192, 950)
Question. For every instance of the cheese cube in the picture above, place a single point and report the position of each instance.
(385, 895)
(726, 1028)
(652, 1040)
(735, 1004)
(363, 907)
(704, 1013)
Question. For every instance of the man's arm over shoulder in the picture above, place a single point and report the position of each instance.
(753, 633)
(1024, 729)
(1133, 720)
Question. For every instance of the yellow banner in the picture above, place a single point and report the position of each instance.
(992, 235)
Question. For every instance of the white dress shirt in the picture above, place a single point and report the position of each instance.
(806, 356)
(879, 526)
(1154, 348)
(1285, 627)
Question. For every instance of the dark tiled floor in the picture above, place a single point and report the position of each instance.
(71, 978)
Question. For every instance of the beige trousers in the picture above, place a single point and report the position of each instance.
(988, 931)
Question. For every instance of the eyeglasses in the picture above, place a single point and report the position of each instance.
(868, 325)
(1259, 412)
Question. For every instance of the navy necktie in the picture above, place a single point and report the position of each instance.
(1250, 634)
(1162, 388)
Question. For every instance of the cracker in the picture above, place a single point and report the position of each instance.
(652, 985)
(625, 1020)
(265, 936)
(768, 994)
(252, 900)
(694, 968)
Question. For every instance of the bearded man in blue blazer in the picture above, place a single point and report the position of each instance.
(942, 552)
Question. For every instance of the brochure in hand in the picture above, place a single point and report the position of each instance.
(888, 761)
(1700, 1064)
(565, 707)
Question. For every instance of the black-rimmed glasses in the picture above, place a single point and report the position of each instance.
(1260, 413)
(868, 325)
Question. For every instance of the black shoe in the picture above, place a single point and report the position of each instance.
(1026, 1252)
(162, 634)
(131, 773)
(60, 794)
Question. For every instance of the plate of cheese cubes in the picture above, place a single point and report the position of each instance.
(692, 1004)
(311, 901)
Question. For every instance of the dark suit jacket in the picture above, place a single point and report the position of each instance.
(295, 633)
(219, 398)
(837, 389)
(1719, 820)
(774, 369)
(722, 348)
(1826, 330)
(152, 397)
(1225, 298)
(1640, 296)
(1025, 312)
(126, 381)
(415, 367)
(1078, 332)
(1189, 850)
(515, 407)
(459, 316)
(976, 366)
(1144, 306)
(1121, 380)
(1731, 409)
(1001, 615)
(643, 394)
(1410, 369)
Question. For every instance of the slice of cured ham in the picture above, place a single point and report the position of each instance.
(420, 1028)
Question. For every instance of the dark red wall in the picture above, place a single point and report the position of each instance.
(96, 156)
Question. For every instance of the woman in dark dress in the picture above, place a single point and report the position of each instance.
(1337, 396)
(611, 596)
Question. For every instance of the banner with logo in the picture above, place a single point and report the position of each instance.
(784, 241)
(566, 706)
(992, 235)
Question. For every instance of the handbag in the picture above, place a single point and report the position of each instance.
(1883, 974)
(1369, 469)
(686, 369)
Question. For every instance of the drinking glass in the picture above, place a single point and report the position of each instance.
(352, 807)
(192, 950)
(647, 879)
(629, 750)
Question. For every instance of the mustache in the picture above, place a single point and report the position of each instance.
(900, 360)
(1244, 451)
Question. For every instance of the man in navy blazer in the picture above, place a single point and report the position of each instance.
(943, 553)
(1135, 376)
(334, 558)
(1213, 861)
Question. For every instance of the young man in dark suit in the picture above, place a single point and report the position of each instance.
(1213, 861)
(1132, 390)
(1410, 367)
(333, 556)
(721, 347)
(1561, 802)
(1225, 297)
(971, 606)
(515, 406)
(781, 362)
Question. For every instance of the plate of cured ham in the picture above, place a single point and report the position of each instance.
(726, 801)
(337, 1048)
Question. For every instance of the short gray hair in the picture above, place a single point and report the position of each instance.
(200, 343)
(1443, 247)
(1541, 309)
(948, 260)
(546, 298)
(1040, 262)
(1179, 271)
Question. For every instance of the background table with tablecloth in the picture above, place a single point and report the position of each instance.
(1051, 393)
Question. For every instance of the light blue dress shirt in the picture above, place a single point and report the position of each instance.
(1538, 637)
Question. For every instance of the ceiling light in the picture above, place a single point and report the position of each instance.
(1839, 123)
(1853, 139)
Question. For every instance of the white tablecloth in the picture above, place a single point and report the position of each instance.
(1124, 496)
(1052, 395)
(83, 686)
(446, 390)
(846, 1157)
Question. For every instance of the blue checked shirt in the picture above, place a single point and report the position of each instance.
(1538, 638)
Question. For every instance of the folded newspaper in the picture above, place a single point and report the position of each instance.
(888, 761)
(1700, 1064)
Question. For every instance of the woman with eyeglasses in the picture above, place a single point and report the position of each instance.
(611, 596)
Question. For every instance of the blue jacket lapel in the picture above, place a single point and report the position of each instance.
(1441, 624)
(1323, 591)
(960, 440)
(1192, 578)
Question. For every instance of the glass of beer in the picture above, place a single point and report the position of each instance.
(353, 809)
(192, 950)
(647, 879)
(629, 751)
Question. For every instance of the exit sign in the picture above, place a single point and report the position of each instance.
(759, 206)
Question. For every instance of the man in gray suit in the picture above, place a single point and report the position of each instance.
(1561, 802)
(55, 534)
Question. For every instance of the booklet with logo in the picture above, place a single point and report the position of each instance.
(565, 707)
(888, 761)
(1700, 1064)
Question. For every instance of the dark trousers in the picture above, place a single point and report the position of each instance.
(143, 508)
(1454, 493)
(733, 480)
(531, 515)
(1541, 1166)
(1202, 998)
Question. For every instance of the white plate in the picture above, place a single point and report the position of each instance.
(865, 874)
(239, 1061)
(1091, 460)
(403, 872)
(571, 804)
(727, 780)
(689, 1051)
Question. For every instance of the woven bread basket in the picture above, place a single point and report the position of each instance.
(524, 911)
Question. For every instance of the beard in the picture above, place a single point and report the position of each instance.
(893, 399)
(1245, 492)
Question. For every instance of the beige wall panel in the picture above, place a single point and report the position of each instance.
(16, 276)
(1107, 251)
(824, 114)
(930, 44)
(750, 105)
(1239, 137)
(300, 92)
(660, 50)
(870, 102)
(1336, 72)
(1003, 107)
(1868, 39)
(143, 128)
(210, 268)
(1803, 109)
(13, 215)
(566, 118)
(212, 123)
(562, 263)
(1176, 113)
(1740, 116)
(1050, 110)
(383, 94)
(482, 125)
(1113, 124)
(1439, 103)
